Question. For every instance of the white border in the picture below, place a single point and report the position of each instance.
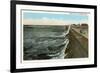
(52, 63)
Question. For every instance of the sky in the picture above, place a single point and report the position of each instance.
(65, 17)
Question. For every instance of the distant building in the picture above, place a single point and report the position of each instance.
(84, 26)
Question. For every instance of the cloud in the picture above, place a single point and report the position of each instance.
(44, 21)
(45, 18)
(48, 21)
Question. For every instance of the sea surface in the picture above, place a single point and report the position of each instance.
(44, 42)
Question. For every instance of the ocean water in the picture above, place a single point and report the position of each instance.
(44, 42)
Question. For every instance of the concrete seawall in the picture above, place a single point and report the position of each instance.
(78, 45)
